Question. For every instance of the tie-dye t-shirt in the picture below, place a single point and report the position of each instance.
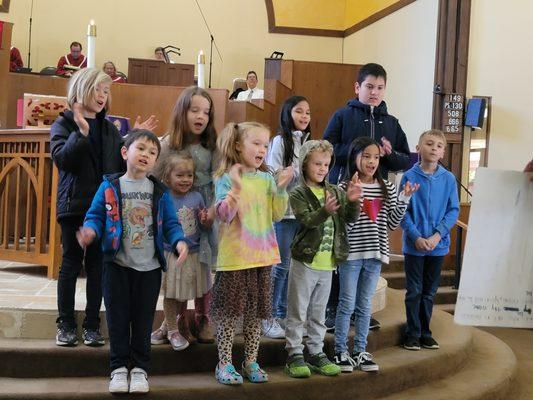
(246, 233)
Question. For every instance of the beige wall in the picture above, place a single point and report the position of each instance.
(131, 28)
(499, 65)
(404, 43)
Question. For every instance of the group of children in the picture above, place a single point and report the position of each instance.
(239, 201)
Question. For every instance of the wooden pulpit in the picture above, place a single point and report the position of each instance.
(157, 72)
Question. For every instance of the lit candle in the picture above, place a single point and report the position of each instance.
(91, 44)
(201, 69)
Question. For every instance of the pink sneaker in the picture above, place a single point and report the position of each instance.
(177, 341)
(159, 336)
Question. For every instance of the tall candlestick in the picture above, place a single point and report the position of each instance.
(201, 69)
(91, 44)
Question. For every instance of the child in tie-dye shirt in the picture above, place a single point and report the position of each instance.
(248, 201)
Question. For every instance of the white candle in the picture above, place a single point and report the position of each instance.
(201, 69)
(91, 44)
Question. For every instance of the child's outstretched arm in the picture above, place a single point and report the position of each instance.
(227, 194)
(354, 192)
(280, 197)
(94, 223)
(398, 205)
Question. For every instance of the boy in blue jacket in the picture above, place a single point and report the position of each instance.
(430, 216)
(131, 214)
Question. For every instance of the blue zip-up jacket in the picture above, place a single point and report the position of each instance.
(433, 208)
(355, 120)
(104, 217)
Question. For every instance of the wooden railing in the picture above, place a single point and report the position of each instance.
(459, 249)
(29, 232)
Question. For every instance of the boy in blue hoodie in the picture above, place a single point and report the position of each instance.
(131, 214)
(430, 216)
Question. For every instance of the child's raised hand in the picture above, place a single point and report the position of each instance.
(150, 124)
(385, 147)
(183, 251)
(85, 236)
(79, 119)
(331, 204)
(409, 189)
(354, 191)
(235, 176)
(285, 176)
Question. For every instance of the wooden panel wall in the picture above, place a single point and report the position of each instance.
(128, 100)
(327, 86)
(4, 71)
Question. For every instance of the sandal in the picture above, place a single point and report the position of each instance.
(227, 375)
(254, 373)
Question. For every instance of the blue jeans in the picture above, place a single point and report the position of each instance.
(357, 283)
(422, 276)
(285, 232)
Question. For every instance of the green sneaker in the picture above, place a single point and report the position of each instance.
(320, 364)
(296, 367)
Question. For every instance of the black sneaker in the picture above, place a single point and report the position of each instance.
(374, 324)
(344, 361)
(93, 338)
(429, 343)
(364, 362)
(411, 343)
(66, 337)
(331, 314)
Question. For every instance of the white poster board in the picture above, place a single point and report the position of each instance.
(496, 287)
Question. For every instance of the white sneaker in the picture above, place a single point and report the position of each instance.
(119, 381)
(139, 381)
(272, 329)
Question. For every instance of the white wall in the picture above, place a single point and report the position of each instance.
(133, 28)
(499, 65)
(404, 42)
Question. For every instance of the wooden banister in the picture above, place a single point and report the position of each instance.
(29, 232)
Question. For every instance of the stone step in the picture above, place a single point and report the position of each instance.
(449, 308)
(396, 280)
(54, 361)
(489, 374)
(446, 295)
(399, 370)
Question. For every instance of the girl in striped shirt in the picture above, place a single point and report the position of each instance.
(381, 210)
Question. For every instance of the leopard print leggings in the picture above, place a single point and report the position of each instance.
(244, 293)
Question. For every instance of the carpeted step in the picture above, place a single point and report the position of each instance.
(446, 295)
(449, 308)
(399, 369)
(489, 374)
(42, 358)
(396, 280)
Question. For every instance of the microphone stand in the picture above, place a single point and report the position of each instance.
(211, 60)
(457, 180)
(29, 41)
(166, 52)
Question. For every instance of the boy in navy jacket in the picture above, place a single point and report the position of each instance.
(430, 216)
(132, 213)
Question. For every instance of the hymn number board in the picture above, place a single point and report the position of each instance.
(454, 105)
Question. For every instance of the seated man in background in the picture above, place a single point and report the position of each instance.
(159, 54)
(110, 69)
(253, 91)
(15, 59)
(70, 63)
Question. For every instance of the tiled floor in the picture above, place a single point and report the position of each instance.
(26, 286)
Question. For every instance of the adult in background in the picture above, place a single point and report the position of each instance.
(253, 91)
(70, 63)
(110, 69)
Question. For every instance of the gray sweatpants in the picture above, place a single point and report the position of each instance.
(308, 292)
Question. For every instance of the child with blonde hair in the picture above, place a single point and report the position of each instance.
(248, 201)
